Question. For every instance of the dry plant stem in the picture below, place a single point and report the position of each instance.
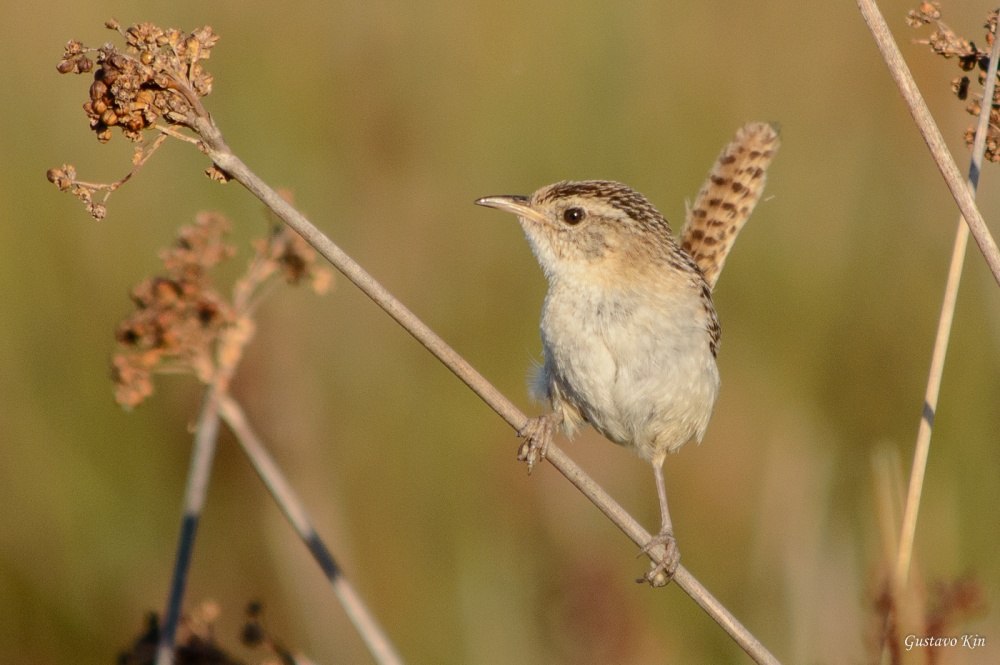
(147, 153)
(194, 500)
(202, 456)
(932, 135)
(109, 189)
(888, 486)
(369, 629)
(922, 449)
(214, 145)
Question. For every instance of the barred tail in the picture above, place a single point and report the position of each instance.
(732, 190)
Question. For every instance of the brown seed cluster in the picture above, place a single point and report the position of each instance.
(183, 324)
(944, 42)
(178, 316)
(75, 60)
(65, 179)
(157, 75)
(287, 253)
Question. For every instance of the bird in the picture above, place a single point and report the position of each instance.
(629, 330)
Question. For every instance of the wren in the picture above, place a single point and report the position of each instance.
(629, 330)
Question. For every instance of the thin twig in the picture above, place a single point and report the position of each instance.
(174, 132)
(215, 147)
(367, 626)
(206, 436)
(145, 155)
(234, 340)
(922, 449)
(932, 135)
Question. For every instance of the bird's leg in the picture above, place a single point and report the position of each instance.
(537, 433)
(662, 570)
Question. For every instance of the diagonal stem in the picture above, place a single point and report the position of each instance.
(194, 501)
(359, 614)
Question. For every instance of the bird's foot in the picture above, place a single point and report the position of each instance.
(662, 568)
(537, 433)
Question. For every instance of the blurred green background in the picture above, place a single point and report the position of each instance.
(387, 119)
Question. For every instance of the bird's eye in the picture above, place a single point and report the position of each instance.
(573, 216)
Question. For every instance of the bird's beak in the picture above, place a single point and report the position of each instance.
(515, 204)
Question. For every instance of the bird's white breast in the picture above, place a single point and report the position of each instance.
(634, 362)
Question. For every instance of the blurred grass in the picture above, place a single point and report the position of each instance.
(387, 119)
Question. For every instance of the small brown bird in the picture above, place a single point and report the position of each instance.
(629, 330)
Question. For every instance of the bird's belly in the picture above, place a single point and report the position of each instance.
(644, 378)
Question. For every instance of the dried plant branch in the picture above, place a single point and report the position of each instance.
(183, 324)
(931, 134)
(232, 342)
(65, 179)
(367, 626)
(202, 456)
(156, 80)
(943, 333)
(934, 608)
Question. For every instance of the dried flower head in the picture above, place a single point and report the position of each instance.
(178, 316)
(944, 42)
(74, 59)
(159, 74)
(183, 324)
(155, 82)
(294, 258)
(927, 12)
(941, 609)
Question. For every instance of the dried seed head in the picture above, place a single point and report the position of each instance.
(97, 210)
(944, 42)
(60, 178)
(74, 59)
(160, 65)
(97, 90)
(926, 13)
(181, 322)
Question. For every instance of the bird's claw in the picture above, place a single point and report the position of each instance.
(661, 569)
(537, 433)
